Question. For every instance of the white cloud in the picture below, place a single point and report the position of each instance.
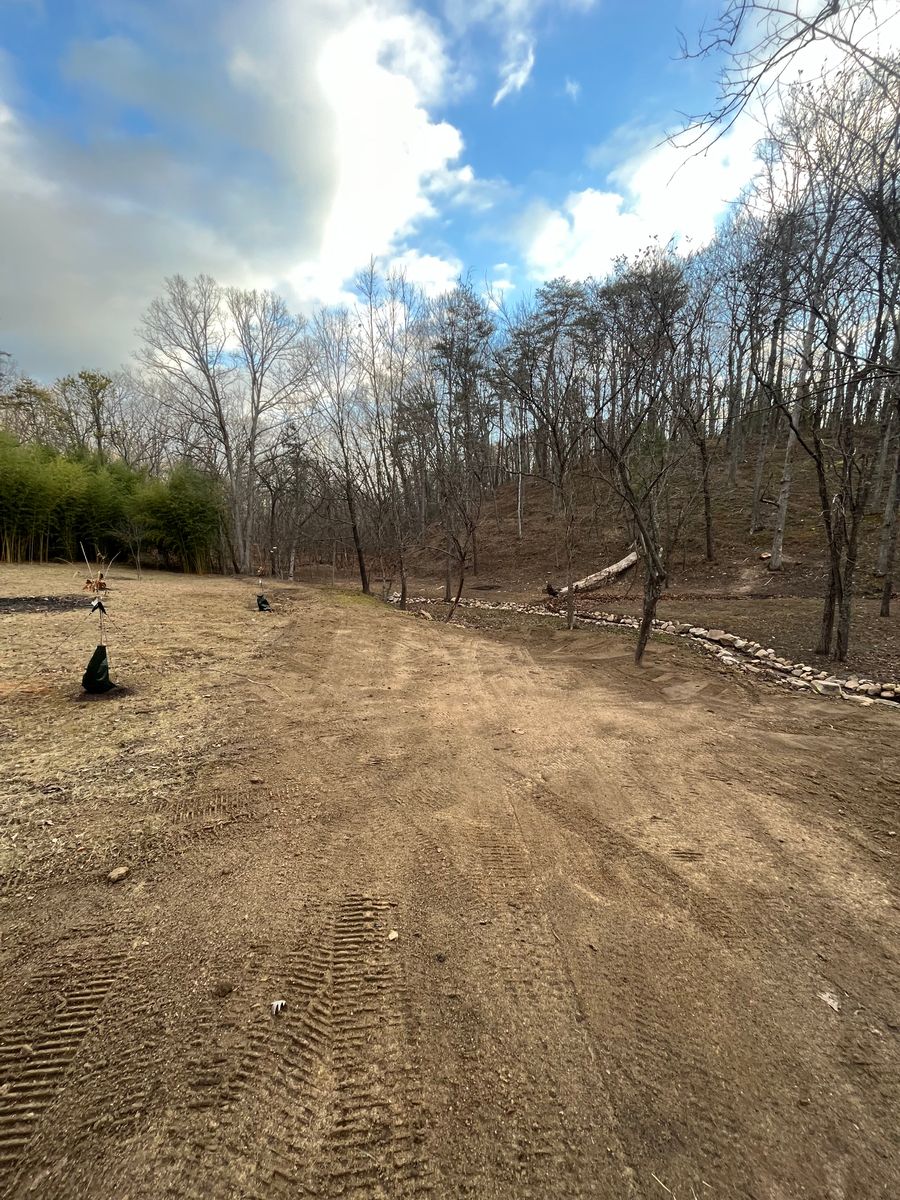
(675, 192)
(387, 148)
(505, 14)
(433, 274)
(78, 267)
(572, 88)
(513, 24)
(462, 188)
(517, 68)
(581, 238)
(661, 193)
(494, 292)
(291, 142)
(658, 190)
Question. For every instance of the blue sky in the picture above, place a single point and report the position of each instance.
(280, 143)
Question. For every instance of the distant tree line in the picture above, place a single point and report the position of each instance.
(367, 432)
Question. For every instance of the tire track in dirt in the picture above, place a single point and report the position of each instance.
(645, 871)
(619, 668)
(171, 829)
(602, 853)
(372, 1144)
(545, 1090)
(531, 971)
(585, 761)
(37, 1055)
(326, 1101)
(592, 888)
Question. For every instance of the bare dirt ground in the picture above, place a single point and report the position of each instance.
(647, 920)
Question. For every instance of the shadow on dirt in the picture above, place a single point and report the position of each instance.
(38, 604)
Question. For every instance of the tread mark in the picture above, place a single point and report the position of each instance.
(617, 850)
(33, 1067)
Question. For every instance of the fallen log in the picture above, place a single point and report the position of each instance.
(591, 582)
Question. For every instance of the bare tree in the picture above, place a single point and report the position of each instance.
(458, 332)
(234, 362)
(335, 391)
(82, 410)
(648, 323)
(542, 364)
(389, 317)
(761, 39)
(848, 281)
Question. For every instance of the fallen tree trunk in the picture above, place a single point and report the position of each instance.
(591, 582)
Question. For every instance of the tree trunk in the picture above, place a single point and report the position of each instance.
(456, 598)
(741, 405)
(889, 521)
(707, 501)
(788, 469)
(772, 387)
(784, 494)
(569, 589)
(833, 590)
(761, 450)
(889, 437)
(228, 550)
(890, 551)
(653, 586)
(735, 447)
(357, 541)
(843, 623)
(248, 518)
(846, 604)
(519, 498)
(888, 586)
(591, 582)
(827, 626)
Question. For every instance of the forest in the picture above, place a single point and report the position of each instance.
(246, 437)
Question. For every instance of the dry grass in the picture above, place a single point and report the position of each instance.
(84, 779)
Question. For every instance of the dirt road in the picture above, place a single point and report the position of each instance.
(646, 920)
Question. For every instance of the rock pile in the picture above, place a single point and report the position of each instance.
(750, 656)
(732, 651)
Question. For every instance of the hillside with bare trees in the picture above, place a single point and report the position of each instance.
(647, 403)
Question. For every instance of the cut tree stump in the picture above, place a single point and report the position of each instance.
(591, 582)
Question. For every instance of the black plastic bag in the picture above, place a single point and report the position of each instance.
(96, 678)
